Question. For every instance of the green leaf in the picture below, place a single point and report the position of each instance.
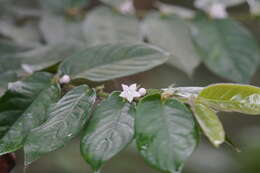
(8, 47)
(226, 47)
(109, 131)
(105, 25)
(110, 61)
(166, 133)
(61, 6)
(172, 33)
(8, 71)
(25, 34)
(19, 96)
(32, 116)
(46, 56)
(65, 120)
(209, 123)
(58, 29)
(232, 97)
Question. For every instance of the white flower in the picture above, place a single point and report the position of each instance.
(65, 79)
(130, 92)
(218, 10)
(142, 91)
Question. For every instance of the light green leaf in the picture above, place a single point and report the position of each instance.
(227, 48)
(45, 56)
(166, 133)
(105, 25)
(209, 123)
(58, 29)
(65, 120)
(19, 96)
(26, 113)
(110, 61)
(232, 97)
(172, 34)
(109, 131)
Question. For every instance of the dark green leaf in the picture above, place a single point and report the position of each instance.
(166, 133)
(104, 25)
(172, 33)
(227, 48)
(111, 61)
(110, 130)
(65, 120)
(210, 124)
(19, 96)
(232, 97)
(32, 116)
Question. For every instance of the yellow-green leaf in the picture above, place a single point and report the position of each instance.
(232, 97)
(210, 124)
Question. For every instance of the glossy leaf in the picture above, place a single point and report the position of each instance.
(105, 25)
(45, 56)
(166, 133)
(210, 124)
(232, 97)
(109, 131)
(172, 34)
(65, 120)
(226, 48)
(109, 61)
(19, 96)
(33, 116)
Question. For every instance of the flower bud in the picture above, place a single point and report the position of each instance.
(65, 79)
(142, 91)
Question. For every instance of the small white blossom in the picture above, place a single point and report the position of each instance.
(65, 79)
(130, 92)
(218, 11)
(142, 91)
